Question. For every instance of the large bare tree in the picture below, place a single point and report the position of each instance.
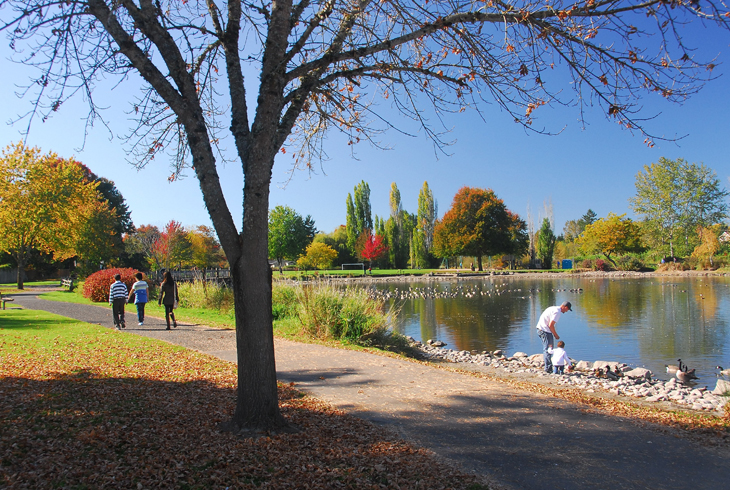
(341, 65)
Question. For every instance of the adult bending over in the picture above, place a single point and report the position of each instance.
(168, 297)
(546, 330)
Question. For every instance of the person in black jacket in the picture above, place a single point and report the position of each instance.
(169, 297)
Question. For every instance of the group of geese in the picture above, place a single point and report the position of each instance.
(684, 374)
(458, 291)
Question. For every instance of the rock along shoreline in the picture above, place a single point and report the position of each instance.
(630, 382)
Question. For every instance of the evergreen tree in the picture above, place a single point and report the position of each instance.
(546, 244)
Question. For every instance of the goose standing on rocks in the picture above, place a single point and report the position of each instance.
(723, 372)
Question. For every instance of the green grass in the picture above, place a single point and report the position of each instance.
(24, 330)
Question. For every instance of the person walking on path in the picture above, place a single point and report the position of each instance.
(169, 298)
(560, 358)
(139, 291)
(117, 299)
(546, 330)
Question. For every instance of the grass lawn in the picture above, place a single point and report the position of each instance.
(141, 413)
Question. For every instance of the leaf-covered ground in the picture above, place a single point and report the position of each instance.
(87, 407)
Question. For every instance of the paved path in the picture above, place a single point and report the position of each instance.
(519, 439)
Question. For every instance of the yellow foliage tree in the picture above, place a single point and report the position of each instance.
(610, 235)
(710, 244)
(45, 203)
(319, 256)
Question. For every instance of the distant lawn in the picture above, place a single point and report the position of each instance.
(11, 287)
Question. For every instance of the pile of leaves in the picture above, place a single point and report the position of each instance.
(106, 409)
(96, 286)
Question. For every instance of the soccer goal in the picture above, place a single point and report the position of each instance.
(354, 267)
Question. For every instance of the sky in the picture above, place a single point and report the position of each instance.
(585, 166)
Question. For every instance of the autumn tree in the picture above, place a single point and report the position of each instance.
(371, 247)
(675, 198)
(337, 240)
(45, 204)
(478, 224)
(709, 245)
(143, 241)
(319, 66)
(318, 256)
(205, 251)
(612, 235)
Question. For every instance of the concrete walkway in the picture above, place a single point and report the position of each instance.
(519, 439)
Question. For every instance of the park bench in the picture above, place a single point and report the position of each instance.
(4, 300)
(68, 283)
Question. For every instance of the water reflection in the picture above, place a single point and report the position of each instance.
(647, 322)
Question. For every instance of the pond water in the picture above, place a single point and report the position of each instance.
(642, 321)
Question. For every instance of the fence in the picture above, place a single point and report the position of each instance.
(209, 275)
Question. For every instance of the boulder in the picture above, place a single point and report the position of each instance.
(603, 364)
(722, 387)
(639, 373)
(583, 366)
(437, 343)
(497, 353)
(519, 354)
(535, 358)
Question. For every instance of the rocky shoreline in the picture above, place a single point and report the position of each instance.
(629, 382)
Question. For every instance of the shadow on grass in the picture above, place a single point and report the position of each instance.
(87, 430)
(29, 321)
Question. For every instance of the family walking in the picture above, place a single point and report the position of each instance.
(118, 297)
(556, 359)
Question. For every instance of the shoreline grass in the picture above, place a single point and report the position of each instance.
(142, 413)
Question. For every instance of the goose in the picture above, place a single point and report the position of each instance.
(724, 372)
(671, 368)
(684, 375)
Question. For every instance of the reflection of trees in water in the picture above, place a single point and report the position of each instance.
(663, 318)
(683, 316)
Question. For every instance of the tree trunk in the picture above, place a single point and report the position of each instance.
(257, 404)
(479, 261)
(20, 258)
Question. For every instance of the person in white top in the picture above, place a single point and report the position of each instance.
(560, 358)
(546, 330)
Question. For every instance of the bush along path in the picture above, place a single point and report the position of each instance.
(521, 438)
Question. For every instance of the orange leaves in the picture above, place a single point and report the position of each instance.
(614, 110)
(510, 48)
(603, 79)
(633, 57)
(648, 142)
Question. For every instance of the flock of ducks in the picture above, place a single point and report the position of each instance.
(458, 291)
(684, 374)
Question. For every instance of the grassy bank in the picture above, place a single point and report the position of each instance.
(318, 313)
(141, 413)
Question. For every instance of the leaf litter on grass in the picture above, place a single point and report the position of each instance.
(104, 412)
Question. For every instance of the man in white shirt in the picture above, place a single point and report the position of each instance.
(546, 330)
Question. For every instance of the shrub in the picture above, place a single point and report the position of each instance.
(202, 294)
(587, 264)
(602, 265)
(96, 286)
(284, 302)
(629, 263)
(330, 313)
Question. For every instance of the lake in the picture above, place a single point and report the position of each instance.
(644, 321)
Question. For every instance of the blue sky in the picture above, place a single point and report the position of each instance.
(581, 168)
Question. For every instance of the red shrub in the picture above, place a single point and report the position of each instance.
(602, 265)
(97, 285)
